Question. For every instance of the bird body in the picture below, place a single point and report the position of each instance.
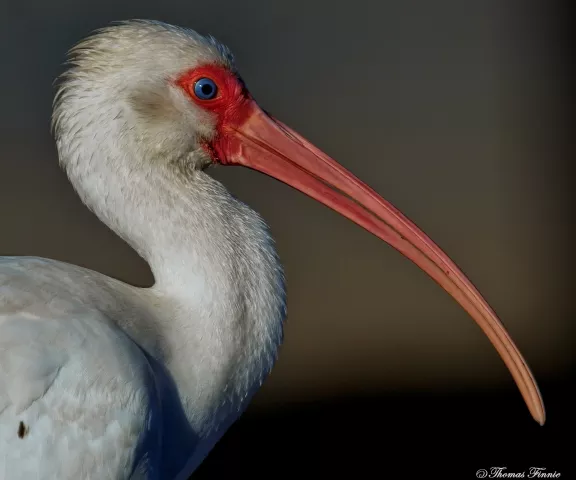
(101, 379)
(182, 356)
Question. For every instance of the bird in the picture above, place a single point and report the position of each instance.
(103, 379)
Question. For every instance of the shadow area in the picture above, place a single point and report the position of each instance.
(400, 435)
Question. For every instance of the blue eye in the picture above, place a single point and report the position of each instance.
(205, 89)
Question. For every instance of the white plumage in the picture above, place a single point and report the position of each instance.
(82, 356)
(100, 379)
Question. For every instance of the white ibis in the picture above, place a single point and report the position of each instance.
(101, 379)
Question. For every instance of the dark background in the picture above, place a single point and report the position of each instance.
(453, 111)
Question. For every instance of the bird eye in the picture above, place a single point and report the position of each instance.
(205, 89)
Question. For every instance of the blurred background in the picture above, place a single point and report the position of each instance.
(453, 111)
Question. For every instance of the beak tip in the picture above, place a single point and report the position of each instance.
(539, 414)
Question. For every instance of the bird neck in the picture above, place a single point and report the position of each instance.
(219, 291)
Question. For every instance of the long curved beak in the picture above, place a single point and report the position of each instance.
(262, 143)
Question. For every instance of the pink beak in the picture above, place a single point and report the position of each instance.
(265, 144)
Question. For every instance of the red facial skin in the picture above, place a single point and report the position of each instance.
(231, 106)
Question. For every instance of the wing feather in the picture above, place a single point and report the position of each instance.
(77, 398)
